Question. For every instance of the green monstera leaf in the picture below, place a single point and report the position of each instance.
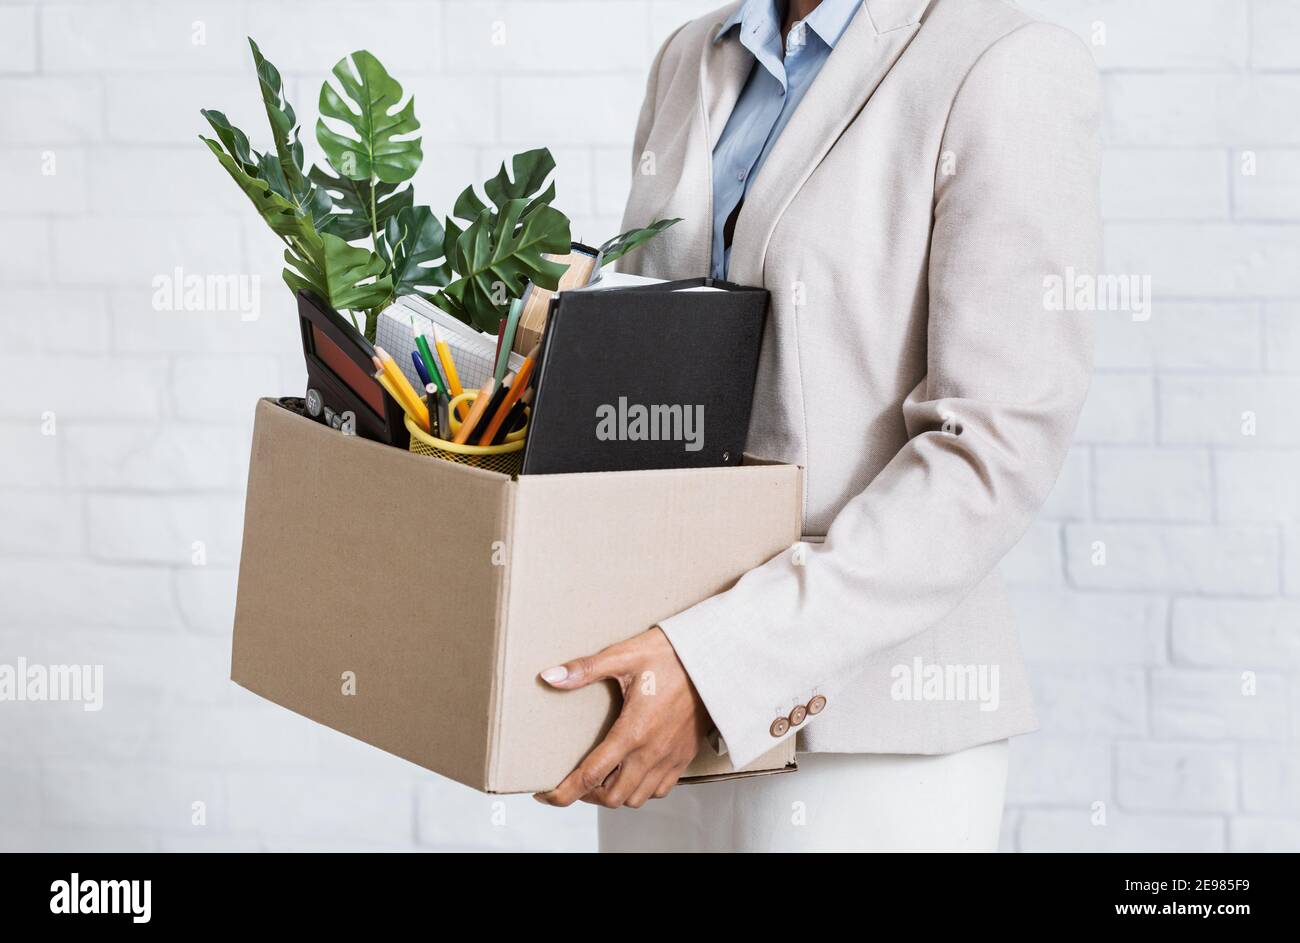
(412, 238)
(283, 169)
(284, 123)
(496, 258)
(233, 139)
(344, 276)
(310, 200)
(306, 198)
(355, 200)
(368, 109)
(284, 218)
(531, 169)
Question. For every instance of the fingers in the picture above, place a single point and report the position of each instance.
(627, 783)
(612, 662)
(649, 787)
(636, 783)
(668, 782)
(591, 772)
(654, 738)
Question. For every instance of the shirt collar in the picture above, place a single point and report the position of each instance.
(832, 18)
(828, 21)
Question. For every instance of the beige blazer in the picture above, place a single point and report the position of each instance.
(940, 171)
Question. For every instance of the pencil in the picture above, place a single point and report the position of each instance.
(508, 344)
(448, 368)
(401, 389)
(514, 421)
(501, 336)
(396, 394)
(476, 413)
(395, 373)
(430, 363)
(517, 388)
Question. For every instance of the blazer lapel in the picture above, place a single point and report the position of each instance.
(866, 52)
(723, 69)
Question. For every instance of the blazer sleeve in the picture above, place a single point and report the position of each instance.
(988, 427)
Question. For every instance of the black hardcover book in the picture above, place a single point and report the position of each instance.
(646, 376)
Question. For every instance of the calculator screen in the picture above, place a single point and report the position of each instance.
(361, 382)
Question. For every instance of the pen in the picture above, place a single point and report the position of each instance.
(431, 404)
(419, 366)
(514, 421)
(518, 418)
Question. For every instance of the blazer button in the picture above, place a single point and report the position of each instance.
(817, 705)
(780, 727)
(798, 715)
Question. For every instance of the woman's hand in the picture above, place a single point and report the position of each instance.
(657, 732)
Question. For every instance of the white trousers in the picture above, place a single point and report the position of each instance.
(835, 802)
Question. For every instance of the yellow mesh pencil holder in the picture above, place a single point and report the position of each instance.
(504, 458)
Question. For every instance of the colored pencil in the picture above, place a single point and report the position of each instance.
(430, 363)
(517, 387)
(476, 413)
(448, 368)
(402, 391)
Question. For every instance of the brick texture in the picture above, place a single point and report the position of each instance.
(1165, 676)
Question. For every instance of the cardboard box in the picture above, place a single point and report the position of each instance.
(410, 602)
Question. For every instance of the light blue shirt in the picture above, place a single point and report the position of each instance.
(773, 91)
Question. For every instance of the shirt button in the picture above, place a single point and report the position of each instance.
(740, 175)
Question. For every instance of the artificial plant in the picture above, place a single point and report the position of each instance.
(472, 263)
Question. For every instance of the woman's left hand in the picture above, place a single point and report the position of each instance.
(657, 732)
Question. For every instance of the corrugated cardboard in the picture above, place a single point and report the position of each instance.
(435, 593)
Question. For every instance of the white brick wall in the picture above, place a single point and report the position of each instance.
(1165, 678)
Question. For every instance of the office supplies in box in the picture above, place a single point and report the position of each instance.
(473, 350)
(350, 614)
